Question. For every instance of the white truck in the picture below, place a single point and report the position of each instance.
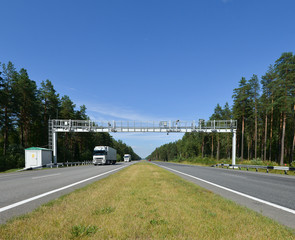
(104, 155)
(127, 158)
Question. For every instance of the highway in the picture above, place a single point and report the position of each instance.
(273, 195)
(270, 194)
(22, 192)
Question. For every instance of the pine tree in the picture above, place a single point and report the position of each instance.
(254, 96)
(27, 104)
(217, 115)
(50, 104)
(6, 106)
(267, 106)
(240, 108)
(285, 69)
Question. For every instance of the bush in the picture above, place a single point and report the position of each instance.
(15, 158)
(86, 155)
(119, 158)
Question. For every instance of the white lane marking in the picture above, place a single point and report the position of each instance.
(236, 192)
(46, 176)
(54, 191)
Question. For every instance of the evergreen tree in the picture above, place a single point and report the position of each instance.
(217, 115)
(284, 90)
(254, 97)
(27, 104)
(50, 104)
(240, 108)
(67, 108)
(267, 100)
(8, 74)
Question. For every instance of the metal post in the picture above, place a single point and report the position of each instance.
(54, 146)
(234, 148)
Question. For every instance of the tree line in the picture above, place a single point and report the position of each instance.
(265, 112)
(25, 111)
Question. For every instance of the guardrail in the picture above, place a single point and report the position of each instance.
(57, 165)
(240, 166)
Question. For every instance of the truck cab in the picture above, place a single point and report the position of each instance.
(127, 158)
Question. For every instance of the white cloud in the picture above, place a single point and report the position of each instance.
(108, 112)
(101, 112)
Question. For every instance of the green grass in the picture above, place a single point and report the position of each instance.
(143, 201)
(208, 162)
(11, 170)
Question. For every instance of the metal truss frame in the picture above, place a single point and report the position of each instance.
(68, 125)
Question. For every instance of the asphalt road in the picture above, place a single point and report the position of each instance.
(22, 192)
(273, 195)
(270, 194)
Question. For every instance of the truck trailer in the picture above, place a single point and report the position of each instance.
(127, 158)
(104, 155)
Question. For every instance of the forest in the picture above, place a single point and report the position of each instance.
(265, 112)
(25, 111)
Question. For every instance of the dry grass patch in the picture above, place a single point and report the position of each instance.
(143, 201)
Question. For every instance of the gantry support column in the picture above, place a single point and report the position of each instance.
(234, 148)
(54, 146)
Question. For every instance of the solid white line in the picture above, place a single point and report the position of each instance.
(46, 176)
(236, 192)
(54, 191)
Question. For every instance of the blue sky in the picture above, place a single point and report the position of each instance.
(149, 59)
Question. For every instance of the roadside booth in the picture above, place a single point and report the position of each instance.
(36, 157)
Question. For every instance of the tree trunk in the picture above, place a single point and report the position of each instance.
(203, 147)
(265, 137)
(45, 119)
(228, 148)
(270, 137)
(212, 147)
(249, 149)
(261, 137)
(293, 144)
(65, 146)
(242, 144)
(255, 134)
(283, 138)
(238, 144)
(26, 133)
(218, 147)
(5, 131)
(280, 139)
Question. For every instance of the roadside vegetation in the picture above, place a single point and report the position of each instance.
(265, 113)
(208, 162)
(143, 201)
(11, 170)
(25, 110)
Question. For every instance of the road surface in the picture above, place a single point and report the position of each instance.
(22, 192)
(273, 195)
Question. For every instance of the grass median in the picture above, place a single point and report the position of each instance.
(143, 201)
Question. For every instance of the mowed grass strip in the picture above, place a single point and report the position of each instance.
(143, 201)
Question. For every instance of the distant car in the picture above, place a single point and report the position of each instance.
(149, 159)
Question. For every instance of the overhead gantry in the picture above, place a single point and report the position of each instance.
(213, 126)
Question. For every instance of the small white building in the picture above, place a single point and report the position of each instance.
(36, 157)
